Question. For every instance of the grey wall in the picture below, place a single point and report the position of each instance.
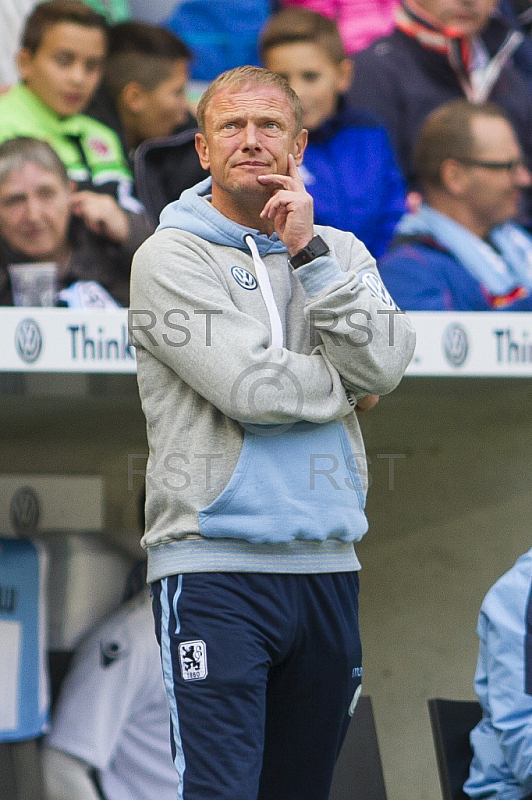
(455, 517)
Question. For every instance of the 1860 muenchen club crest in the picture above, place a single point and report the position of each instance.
(193, 660)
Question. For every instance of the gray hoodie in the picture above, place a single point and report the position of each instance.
(248, 374)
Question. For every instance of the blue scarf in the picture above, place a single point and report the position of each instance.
(499, 274)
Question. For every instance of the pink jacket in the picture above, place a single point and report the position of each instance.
(359, 21)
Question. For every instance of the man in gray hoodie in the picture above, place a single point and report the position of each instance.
(258, 336)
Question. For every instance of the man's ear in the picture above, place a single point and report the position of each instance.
(133, 97)
(24, 60)
(300, 145)
(345, 75)
(453, 176)
(202, 149)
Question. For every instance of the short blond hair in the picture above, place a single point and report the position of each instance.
(241, 77)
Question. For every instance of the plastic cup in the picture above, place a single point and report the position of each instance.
(34, 284)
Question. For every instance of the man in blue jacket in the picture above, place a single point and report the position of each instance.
(460, 250)
(502, 741)
(441, 50)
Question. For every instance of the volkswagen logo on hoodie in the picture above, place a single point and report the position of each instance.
(244, 278)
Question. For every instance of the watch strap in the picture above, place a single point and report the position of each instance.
(315, 248)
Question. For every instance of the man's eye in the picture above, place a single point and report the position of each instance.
(63, 60)
(93, 65)
(12, 202)
(311, 77)
(272, 125)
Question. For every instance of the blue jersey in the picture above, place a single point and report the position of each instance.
(350, 170)
(24, 699)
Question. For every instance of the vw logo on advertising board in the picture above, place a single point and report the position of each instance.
(28, 340)
(24, 510)
(455, 344)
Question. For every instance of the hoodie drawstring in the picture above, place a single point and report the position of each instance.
(265, 287)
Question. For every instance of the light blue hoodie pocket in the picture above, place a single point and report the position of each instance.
(301, 484)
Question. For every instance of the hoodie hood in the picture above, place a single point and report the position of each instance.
(194, 212)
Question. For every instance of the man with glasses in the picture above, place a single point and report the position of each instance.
(461, 250)
(442, 50)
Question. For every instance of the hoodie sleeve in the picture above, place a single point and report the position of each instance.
(183, 314)
(367, 338)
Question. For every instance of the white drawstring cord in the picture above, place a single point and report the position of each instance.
(276, 326)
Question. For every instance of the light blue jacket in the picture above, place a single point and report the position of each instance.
(502, 741)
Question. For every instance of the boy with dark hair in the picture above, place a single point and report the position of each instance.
(349, 167)
(143, 98)
(143, 95)
(61, 58)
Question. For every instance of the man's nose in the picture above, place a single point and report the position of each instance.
(78, 74)
(33, 209)
(522, 176)
(250, 136)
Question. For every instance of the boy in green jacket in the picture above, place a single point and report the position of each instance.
(63, 47)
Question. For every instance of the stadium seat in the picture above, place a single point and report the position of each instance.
(452, 721)
(20, 770)
(358, 773)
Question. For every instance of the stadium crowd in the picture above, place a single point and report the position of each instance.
(109, 94)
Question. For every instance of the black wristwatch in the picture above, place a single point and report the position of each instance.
(315, 248)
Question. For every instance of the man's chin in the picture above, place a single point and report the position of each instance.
(36, 256)
(252, 186)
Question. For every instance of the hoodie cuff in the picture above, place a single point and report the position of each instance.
(319, 274)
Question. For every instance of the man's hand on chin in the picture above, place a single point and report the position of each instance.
(290, 207)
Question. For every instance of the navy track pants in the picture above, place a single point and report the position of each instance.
(262, 672)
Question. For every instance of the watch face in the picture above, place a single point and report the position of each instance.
(317, 247)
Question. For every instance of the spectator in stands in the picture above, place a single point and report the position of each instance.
(42, 219)
(518, 14)
(222, 34)
(360, 22)
(349, 167)
(143, 94)
(461, 251)
(110, 728)
(143, 98)
(441, 50)
(61, 59)
(502, 740)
